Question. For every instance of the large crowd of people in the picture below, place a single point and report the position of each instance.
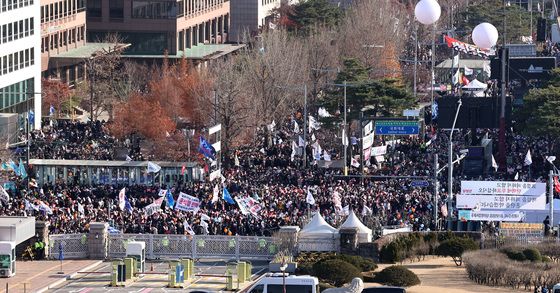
(269, 170)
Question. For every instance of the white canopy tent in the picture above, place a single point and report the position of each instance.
(317, 227)
(364, 233)
(476, 87)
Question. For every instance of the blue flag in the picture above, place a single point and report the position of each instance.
(206, 149)
(60, 251)
(435, 110)
(14, 167)
(31, 116)
(22, 171)
(169, 199)
(227, 197)
(127, 206)
(51, 110)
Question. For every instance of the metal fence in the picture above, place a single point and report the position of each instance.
(197, 246)
(73, 245)
(317, 244)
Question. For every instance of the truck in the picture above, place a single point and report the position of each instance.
(7, 259)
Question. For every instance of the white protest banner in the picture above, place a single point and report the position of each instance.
(249, 205)
(502, 188)
(187, 203)
(214, 174)
(501, 202)
(368, 141)
(153, 207)
(393, 142)
(379, 151)
(499, 216)
(380, 159)
(367, 154)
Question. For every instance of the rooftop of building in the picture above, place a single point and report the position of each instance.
(199, 52)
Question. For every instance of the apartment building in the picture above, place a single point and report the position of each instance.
(196, 28)
(20, 55)
(63, 30)
(249, 16)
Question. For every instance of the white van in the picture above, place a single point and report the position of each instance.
(556, 288)
(274, 283)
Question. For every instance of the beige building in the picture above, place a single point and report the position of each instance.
(197, 29)
(63, 29)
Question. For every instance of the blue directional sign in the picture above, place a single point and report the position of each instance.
(420, 183)
(396, 127)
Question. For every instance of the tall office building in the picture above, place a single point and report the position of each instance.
(196, 29)
(20, 53)
(63, 32)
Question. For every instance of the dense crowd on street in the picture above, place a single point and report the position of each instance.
(270, 171)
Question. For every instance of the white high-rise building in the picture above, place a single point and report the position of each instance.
(20, 58)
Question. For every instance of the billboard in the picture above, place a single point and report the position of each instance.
(501, 202)
(475, 112)
(524, 68)
(500, 216)
(502, 188)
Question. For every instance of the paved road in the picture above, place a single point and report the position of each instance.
(99, 281)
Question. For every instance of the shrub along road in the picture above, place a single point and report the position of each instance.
(440, 274)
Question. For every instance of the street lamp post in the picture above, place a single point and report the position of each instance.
(427, 12)
(450, 171)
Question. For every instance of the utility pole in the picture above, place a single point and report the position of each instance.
(362, 146)
(436, 191)
(345, 138)
(551, 197)
(415, 59)
(305, 126)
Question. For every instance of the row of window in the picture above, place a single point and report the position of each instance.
(152, 9)
(16, 30)
(17, 60)
(16, 93)
(8, 5)
(62, 38)
(61, 9)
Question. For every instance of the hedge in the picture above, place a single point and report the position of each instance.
(335, 271)
(397, 276)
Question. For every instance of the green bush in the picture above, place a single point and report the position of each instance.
(335, 271)
(532, 254)
(304, 268)
(516, 255)
(397, 276)
(455, 247)
(546, 259)
(392, 253)
(362, 263)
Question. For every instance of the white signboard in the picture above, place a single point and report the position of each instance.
(379, 151)
(411, 113)
(501, 202)
(368, 128)
(499, 216)
(502, 188)
(368, 141)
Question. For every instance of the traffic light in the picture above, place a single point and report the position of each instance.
(541, 30)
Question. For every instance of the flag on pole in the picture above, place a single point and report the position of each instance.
(128, 158)
(366, 211)
(4, 196)
(456, 77)
(301, 141)
(494, 164)
(22, 171)
(294, 151)
(468, 71)
(528, 160)
(551, 158)
(455, 61)
(516, 176)
(556, 184)
(216, 194)
(153, 167)
(188, 228)
(51, 110)
(227, 197)
(309, 199)
(296, 127)
(465, 80)
(236, 159)
(206, 149)
(170, 201)
(122, 196)
(204, 226)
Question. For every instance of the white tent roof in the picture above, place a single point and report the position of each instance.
(353, 222)
(475, 85)
(318, 225)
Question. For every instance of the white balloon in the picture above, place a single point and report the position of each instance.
(427, 11)
(485, 35)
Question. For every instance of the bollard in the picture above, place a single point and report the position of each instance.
(248, 270)
(118, 273)
(188, 266)
(229, 281)
(241, 272)
(130, 265)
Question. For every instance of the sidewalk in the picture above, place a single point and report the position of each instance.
(37, 276)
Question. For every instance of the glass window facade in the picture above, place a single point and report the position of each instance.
(154, 9)
(15, 93)
(116, 9)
